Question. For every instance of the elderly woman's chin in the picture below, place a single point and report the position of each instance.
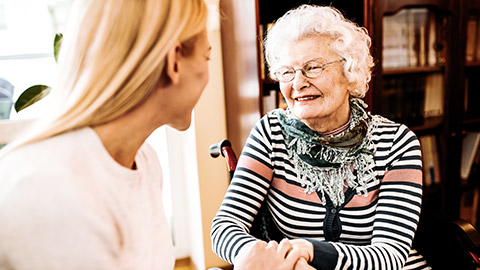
(317, 108)
(304, 112)
(308, 116)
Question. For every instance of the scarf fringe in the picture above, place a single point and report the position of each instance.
(356, 170)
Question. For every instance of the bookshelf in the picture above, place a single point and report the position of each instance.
(439, 58)
(428, 84)
(412, 43)
(470, 118)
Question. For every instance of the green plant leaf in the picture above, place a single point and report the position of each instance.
(31, 95)
(57, 42)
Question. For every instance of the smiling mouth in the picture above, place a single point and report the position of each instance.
(306, 98)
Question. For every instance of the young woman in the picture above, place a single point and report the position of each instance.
(82, 190)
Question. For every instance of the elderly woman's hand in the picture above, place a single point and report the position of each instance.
(304, 247)
(261, 255)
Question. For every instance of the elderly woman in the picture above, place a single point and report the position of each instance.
(344, 186)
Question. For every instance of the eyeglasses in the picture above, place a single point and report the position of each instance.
(310, 69)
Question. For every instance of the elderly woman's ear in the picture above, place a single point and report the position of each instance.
(352, 87)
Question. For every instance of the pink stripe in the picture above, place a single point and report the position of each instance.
(338, 130)
(294, 191)
(254, 165)
(407, 175)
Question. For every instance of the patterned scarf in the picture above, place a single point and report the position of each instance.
(329, 165)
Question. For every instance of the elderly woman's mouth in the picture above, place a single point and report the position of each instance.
(306, 98)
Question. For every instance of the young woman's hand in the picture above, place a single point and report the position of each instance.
(261, 255)
(302, 264)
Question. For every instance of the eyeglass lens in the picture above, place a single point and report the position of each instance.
(310, 69)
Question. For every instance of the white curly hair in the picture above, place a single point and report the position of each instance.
(349, 41)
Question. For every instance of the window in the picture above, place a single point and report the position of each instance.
(27, 30)
(170, 147)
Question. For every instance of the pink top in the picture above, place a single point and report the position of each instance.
(66, 204)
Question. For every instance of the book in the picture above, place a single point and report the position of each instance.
(465, 99)
(413, 91)
(412, 48)
(436, 160)
(409, 98)
(469, 205)
(470, 145)
(477, 41)
(426, 174)
(409, 39)
(395, 40)
(393, 98)
(270, 101)
(432, 58)
(430, 160)
(434, 95)
(261, 55)
(475, 169)
(417, 35)
(471, 39)
(262, 31)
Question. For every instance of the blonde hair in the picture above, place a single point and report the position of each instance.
(350, 41)
(112, 56)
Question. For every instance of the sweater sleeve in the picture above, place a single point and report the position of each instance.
(396, 216)
(242, 201)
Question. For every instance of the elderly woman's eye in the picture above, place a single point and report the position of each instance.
(284, 72)
(313, 67)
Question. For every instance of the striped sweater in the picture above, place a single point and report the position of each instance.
(373, 231)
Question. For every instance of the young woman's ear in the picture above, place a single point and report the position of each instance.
(172, 65)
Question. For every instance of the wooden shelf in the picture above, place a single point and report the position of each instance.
(450, 40)
(428, 126)
(473, 64)
(471, 124)
(413, 70)
(390, 7)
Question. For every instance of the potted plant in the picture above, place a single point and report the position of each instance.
(28, 97)
(36, 92)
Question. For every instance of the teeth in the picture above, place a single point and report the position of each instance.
(306, 98)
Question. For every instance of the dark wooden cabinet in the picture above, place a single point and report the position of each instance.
(412, 84)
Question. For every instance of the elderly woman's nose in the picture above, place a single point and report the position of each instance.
(300, 81)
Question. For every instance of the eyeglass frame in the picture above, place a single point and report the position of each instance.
(322, 66)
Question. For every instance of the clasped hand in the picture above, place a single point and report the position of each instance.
(286, 255)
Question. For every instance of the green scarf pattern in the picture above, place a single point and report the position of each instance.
(330, 164)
